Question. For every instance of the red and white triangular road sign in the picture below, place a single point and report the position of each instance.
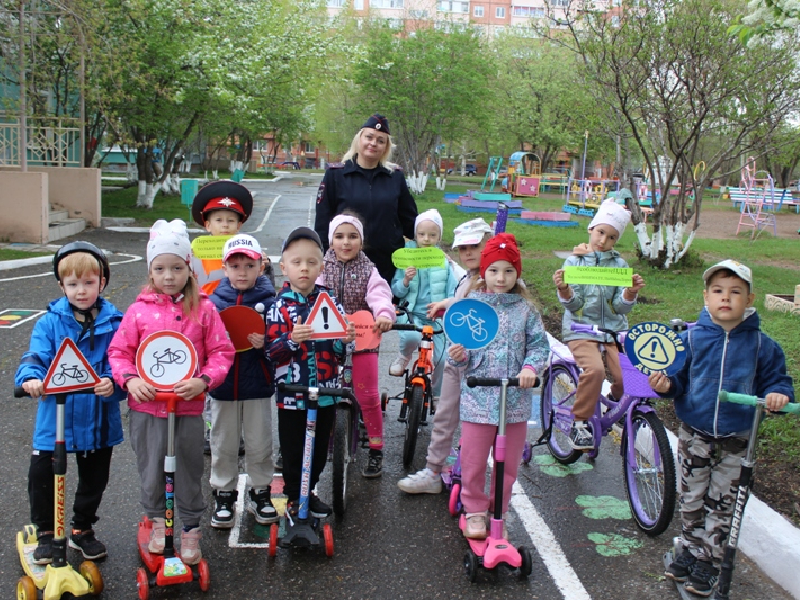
(69, 371)
(326, 320)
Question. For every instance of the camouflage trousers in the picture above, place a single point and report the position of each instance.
(709, 471)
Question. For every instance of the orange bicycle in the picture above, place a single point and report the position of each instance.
(418, 393)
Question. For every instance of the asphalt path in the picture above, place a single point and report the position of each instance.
(389, 544)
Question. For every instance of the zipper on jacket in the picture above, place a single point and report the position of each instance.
(719, 388)
(340, 297)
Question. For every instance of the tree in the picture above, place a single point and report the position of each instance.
(677, 78)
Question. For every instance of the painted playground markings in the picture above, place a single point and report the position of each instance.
(278, 501)
(12, 317)
(126, 258)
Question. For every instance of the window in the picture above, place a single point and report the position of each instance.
(386, 3)
(395, 23)
(335, 3)
(480, 30)
(477, 11)
(308, 147)
(500, 12)
(358, 5)
(418, 14)
(559, 3)
(498, 30)
(453, 6)
(527, 11)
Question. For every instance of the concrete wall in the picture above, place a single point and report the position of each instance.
(77, 190)
(25, 207)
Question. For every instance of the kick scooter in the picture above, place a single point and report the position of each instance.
(495, 549)
(167, 568)
(301, 530)
(745, 483)
(57, 578)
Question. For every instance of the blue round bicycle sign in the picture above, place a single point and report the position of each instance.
(471, 323)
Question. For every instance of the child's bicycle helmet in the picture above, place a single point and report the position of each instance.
(72, 247)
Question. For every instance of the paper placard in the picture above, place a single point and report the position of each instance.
(241, 321)
(164, 358)
(653, 346)
(366, 338)
(599, 276)
(421, 258)
(209, 247)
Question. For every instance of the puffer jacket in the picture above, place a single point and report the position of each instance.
(250, 375)
(442, 282)
(600, 305)
(520, 341)
(154, 312)
(744, 360)
(91, 422)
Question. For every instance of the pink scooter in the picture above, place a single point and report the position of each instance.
(495, 549)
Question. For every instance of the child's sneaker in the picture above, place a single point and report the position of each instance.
(702, 578)
(399, 366)
(224, 509)
(90, 546)
(374, 466)
(476, 526)
(317, 508)
(580, 436)
(156, 545)
(681, 566)
(421, 482)
(260, 504)
(190, 546)
(43, 553)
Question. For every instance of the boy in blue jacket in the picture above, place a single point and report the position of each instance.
(244, 398)
(725, 351)
(93, 425)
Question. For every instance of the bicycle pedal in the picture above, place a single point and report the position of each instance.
(401, 419)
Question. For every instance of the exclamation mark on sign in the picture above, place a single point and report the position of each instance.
(325, 317)
(653, 348)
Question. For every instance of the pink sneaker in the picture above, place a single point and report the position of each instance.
(190, 546)
(156, 545)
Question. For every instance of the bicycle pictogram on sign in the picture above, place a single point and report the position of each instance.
(471, 323)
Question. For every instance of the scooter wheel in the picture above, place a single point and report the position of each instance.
(526, 567)
(327, 534)
(205, 574)
(26, 589)
(455, 500)
(273, 540)
(527, 454)
(471, 566)
(384, 401)
(92, 575)
(142, 583)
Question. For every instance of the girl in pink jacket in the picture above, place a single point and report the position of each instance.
(355, 281)
(171, 301)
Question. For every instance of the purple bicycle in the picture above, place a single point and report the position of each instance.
(647, 459)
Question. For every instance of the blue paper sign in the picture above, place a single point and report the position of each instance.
(655, 347)
(471, 323)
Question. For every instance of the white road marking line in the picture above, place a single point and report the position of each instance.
(266, 216)
(233, 537)
(310, 208)
(130, 258)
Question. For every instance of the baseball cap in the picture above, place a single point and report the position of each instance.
(242, 244)
(741, 271)
(471, 232)
(302, 233)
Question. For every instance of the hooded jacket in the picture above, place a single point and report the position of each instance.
(441, 281)
(250, 375)
(154, 312)
(91, 422)
(744, 360)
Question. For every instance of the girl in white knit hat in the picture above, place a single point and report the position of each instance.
(605, 306)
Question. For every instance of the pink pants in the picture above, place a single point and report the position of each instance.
(476, 441)
(365, 386)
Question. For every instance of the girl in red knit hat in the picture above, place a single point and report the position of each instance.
(520, 349)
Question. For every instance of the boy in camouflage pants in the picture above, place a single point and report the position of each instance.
(725, 351)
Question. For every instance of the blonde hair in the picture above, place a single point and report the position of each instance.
(387, 154)
(191, 293)
(79, 263)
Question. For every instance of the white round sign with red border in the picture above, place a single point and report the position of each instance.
(164, 358)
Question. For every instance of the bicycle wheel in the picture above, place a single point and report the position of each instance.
(342, 445)
(649, 469)
(558, 396)
(414, 417)
(59, 379)
(81, 375)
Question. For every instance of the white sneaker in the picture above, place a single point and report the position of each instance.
(421, 482)
(399, 366)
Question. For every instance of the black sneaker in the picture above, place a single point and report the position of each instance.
(681, 566)
(702, 578)
(224, 509)
(260, 504)
(317, 507)
(43, 553)
(374, 466)
(90, 546)
(580, 436)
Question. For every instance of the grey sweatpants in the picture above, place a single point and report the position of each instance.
(149, 441)
(446, 419)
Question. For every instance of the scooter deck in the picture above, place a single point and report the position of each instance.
(684, 593)
(26, 544)
(493, 552)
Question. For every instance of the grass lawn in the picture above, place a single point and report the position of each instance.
(7, 254)
(675, 293)
(122, 203)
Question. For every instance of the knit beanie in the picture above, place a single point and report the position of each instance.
(611, 213)
(503, 246)
(430, 215)
(169, 238)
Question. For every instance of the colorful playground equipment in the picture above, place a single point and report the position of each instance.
(584, 196)
(524, 174)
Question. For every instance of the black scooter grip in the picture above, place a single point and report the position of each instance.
(19, 392)
(493, 382)
(288, 388)
(404, 327)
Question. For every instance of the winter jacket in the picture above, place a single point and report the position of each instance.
(743, 360)
(91, 422)
(441, 281)
(154, 312)
(250, 375)
(520, 341)
(380, 198)
(312, 363)
(601, 305)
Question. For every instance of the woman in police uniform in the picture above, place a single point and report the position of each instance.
(373, 188)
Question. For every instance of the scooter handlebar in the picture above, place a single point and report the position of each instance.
(291, 388)
(753, 400)
(494, 382)
(404, 327)
(19, 392)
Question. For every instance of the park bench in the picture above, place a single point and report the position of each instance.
(740, 195)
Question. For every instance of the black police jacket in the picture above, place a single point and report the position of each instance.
(380, 198)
